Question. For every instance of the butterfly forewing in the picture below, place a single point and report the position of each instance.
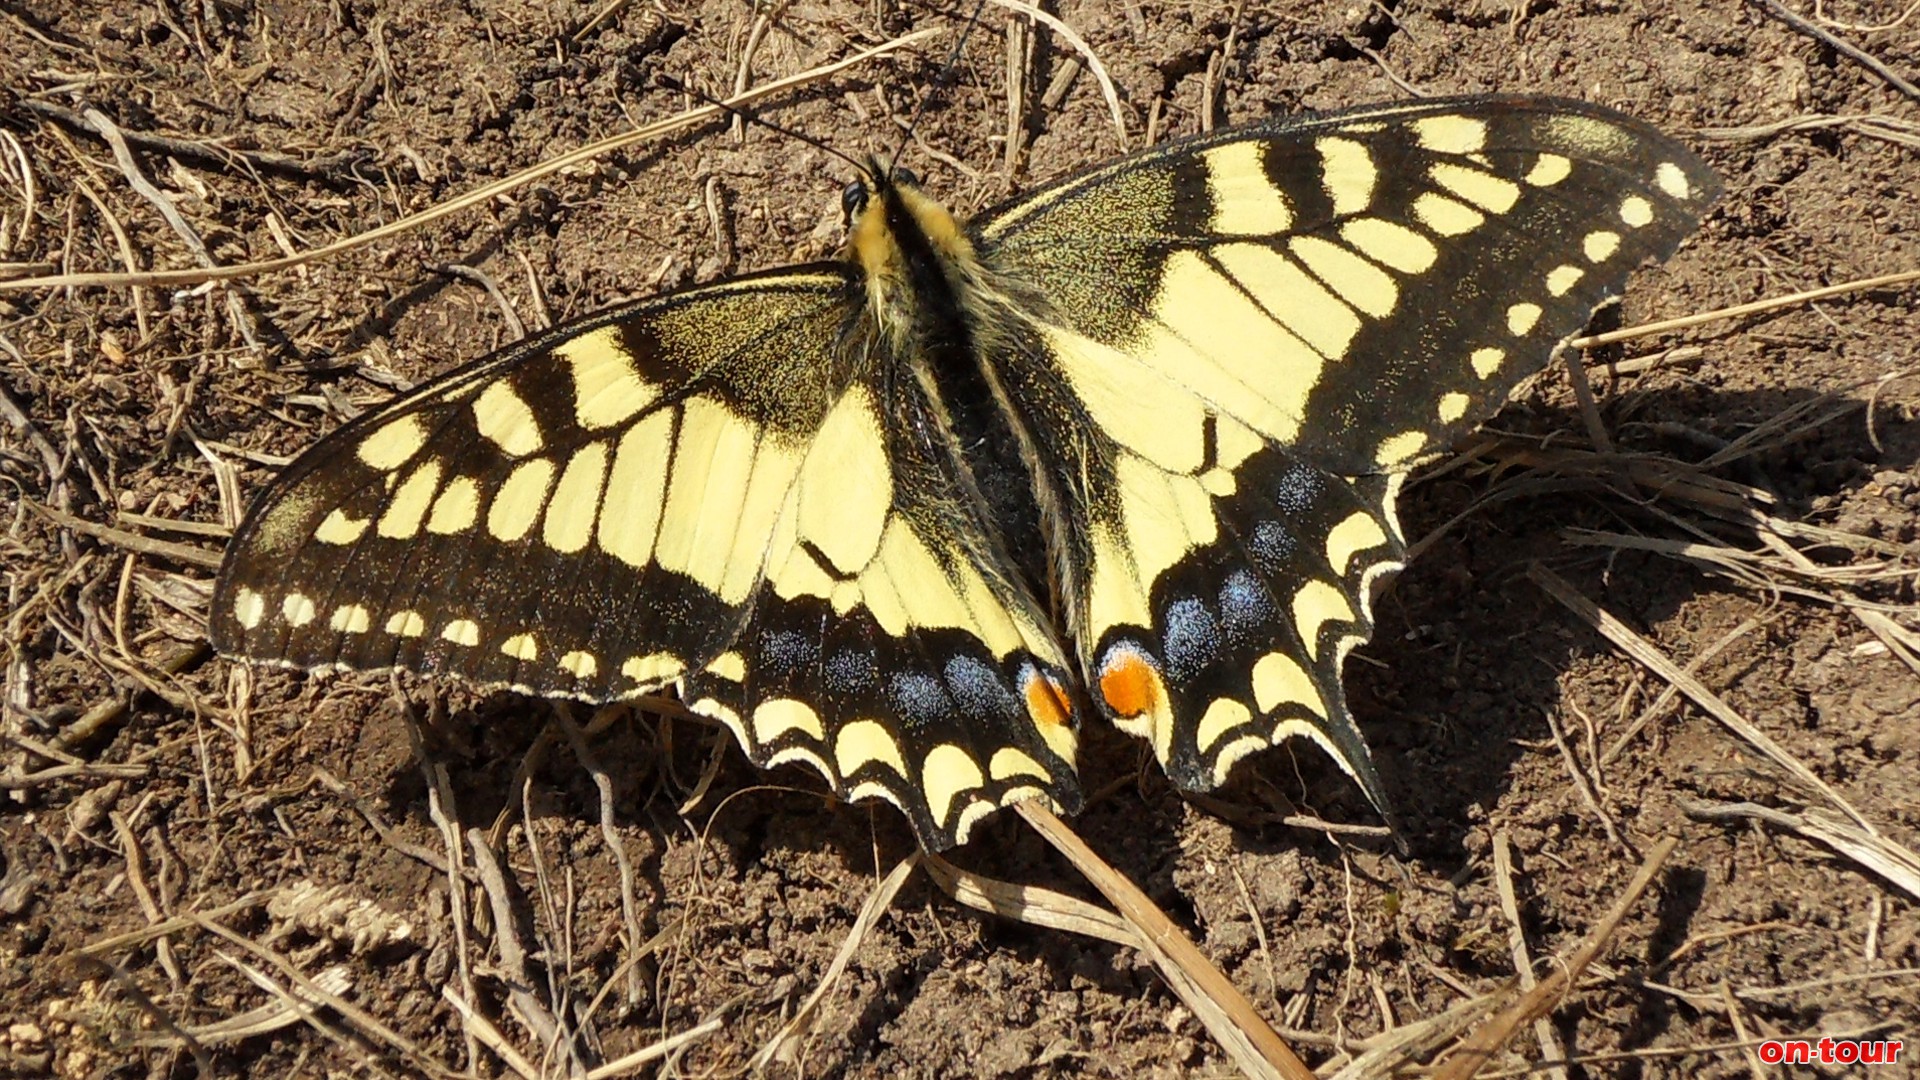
(583, 514)
(1234, 339)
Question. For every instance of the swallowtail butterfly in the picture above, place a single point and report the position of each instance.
(1126, 446)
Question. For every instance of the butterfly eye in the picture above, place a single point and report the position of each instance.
(853, 199)
(906, 176)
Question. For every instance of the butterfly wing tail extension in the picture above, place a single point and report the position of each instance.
(1239, 644)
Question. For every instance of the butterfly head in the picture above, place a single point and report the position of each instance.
(891, 223)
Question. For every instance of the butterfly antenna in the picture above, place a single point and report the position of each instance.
(668, 82)
(946, 68)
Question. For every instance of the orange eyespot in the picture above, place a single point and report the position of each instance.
(1129, 684)
(1047, 703)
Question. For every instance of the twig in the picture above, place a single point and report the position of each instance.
(136, 860)
(481, 278)
(1895, 864)
(444, 812)
(1644, 651)
(210, 154)
(125, 244)
(16, 781)
(1589, 409)
(593, 22)
(130, 168)
(133, 939)
(1580, 784)
(681, 122)
(1241, 1031)
(1865, 28)
(1840, 45)
(610, 836)
(519, 968)
(184, 554)
(16, 414)
(1477, 1049)
(1093, 61)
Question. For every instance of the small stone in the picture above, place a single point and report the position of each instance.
(26, 1035)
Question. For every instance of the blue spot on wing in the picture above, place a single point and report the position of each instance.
(1297, 489)
(979, 689)
(851, 671)
(920, 698)
(1272, 543)
(1246, 606)
(1190, 640)
(787, 651)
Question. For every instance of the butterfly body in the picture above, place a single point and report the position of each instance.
(1127, 445)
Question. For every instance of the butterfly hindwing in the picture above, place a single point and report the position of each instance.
(1242, 335)
(1238, 644)
(909, 663)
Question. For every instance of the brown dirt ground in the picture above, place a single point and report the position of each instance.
(212, 784)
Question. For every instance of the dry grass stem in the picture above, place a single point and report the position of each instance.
(1894, 864)
(363, 1021)
(482, 1030)
(1646, 653)
(1387, 1055)
(1893, 129)
(1220, 1006)
(743, 72)
(646, 1055)
(644, 134)
(1466, 1060)
(1030, 904)
(785, 1044)
(1757, 307)
(1550, 1046)
(287, 1009)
